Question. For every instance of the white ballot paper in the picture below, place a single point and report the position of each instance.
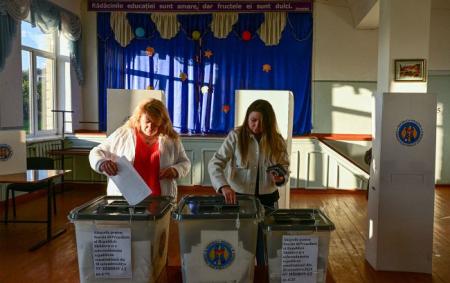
(129, 183)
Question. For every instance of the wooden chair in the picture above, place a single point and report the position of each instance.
(43, 163)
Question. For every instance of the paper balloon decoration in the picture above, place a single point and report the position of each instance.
(246, 35)
(196, 35)
(140, 32)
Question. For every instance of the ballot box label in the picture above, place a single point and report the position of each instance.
(299, 259)
(112, 253)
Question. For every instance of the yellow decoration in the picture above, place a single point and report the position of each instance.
(150, 87)
(183, 76)
(208, 53)
(267, 68)
(196, 35)
(150, 51)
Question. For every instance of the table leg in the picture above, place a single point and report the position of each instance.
(49, 221)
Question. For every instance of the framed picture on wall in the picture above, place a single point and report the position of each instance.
(410, 70)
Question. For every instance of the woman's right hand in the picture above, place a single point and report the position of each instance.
(229, 194)
(109, 167)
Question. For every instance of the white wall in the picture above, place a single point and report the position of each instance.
(440, 39)
(342, 52)
(90, 86)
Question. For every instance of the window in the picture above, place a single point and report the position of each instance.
(45, 80)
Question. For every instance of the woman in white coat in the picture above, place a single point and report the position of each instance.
(150, 143)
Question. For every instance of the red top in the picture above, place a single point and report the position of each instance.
(146, 163)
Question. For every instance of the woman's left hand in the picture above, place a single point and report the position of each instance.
(168, 173)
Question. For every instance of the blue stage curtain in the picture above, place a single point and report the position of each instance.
(234, 64)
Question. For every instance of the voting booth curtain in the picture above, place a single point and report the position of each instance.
(199, 64)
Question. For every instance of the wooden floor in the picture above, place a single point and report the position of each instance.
(57, 261)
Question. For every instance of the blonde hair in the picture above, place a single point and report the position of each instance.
(272, 143)
(158, 112)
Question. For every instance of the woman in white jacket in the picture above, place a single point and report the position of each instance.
(150, 143)
(250, 151)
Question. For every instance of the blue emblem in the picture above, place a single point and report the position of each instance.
(219, 254)
(5, 152)
(409, 132)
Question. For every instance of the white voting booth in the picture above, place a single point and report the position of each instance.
(401, 196)
(12, 152)
(282, 102)
(121, 103)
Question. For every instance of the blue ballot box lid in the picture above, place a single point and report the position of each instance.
(214, 207)
(297, 220)
(117, 208)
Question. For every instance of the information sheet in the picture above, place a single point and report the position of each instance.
(112, 253)
(299, 259)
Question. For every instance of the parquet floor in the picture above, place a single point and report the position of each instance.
(57, 261)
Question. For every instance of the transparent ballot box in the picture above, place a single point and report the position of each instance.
(297, 242)
(217, 240)
(121, 243)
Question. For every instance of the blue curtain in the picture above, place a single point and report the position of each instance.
(180, 67)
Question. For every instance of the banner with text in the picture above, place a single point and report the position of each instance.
(303, 6)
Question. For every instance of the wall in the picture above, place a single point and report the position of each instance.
(90, 86)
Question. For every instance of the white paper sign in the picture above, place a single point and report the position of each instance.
(299, 259)
(130, 183)
(112, 253)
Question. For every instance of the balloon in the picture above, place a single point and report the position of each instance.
(140, 32)
(196, 35)
(246, 35)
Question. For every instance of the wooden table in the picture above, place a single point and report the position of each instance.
(33, 177)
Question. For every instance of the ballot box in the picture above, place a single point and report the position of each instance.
(117, 242)
(218, 240)
(297, 243)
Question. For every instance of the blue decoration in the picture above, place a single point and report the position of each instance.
(140, 32)
(409, 132)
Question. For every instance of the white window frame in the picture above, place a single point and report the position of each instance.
(59, 95)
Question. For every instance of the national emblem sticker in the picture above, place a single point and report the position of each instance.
(219, 254)
(5, 152)
(409, 132)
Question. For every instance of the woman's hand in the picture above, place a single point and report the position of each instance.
(109, 167)
(168, 173)
(229, 194)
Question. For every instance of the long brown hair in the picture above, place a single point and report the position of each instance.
(272, 143)
(158, 112)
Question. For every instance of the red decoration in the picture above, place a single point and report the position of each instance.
(246, 35)
(226, 108)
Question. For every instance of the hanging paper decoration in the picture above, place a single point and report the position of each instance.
(226, 108)
(150, 87)
(208, 53)
(204, 89)
(196, 35)
(246, 35)
(183, 76)
(140, 32)
(149, 51)
(267, 68)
